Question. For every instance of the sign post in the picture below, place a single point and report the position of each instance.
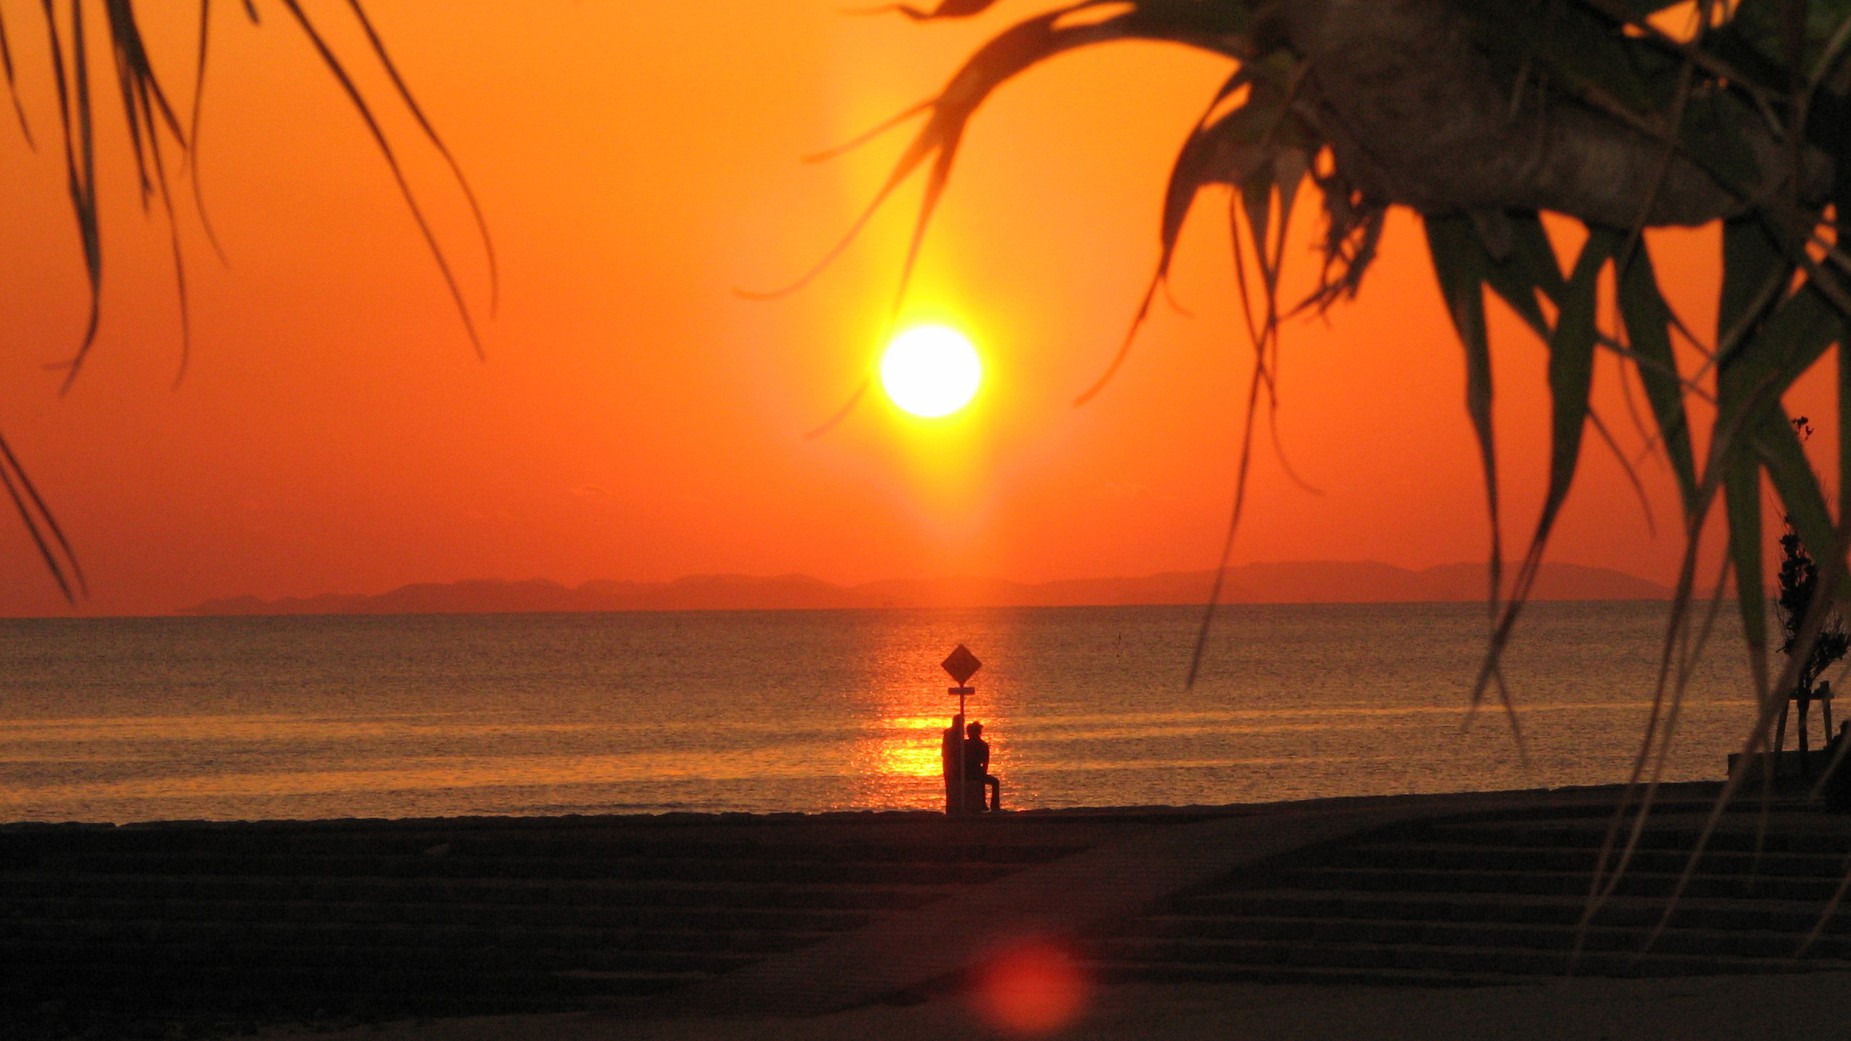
(962, 665)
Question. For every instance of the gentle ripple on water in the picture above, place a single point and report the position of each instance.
(140, 719)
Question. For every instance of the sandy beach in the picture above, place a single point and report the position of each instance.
(1809, 1005)
(1117, 948)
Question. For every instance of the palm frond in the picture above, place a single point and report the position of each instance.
(338, 69)
(54, 549)
(155, 132)
(12, 85)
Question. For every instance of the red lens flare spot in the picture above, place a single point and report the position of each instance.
(1032, 988)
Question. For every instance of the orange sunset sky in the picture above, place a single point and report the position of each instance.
(635, 418)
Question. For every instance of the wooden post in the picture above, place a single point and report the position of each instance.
(1803, 697)
(962, 665)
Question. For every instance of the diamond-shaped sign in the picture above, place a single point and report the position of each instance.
(962, 665)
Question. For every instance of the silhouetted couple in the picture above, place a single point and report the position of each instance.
(976, 762)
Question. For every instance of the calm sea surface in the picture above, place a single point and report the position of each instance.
(144, 719)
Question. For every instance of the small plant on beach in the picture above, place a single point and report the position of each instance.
(1799, 585)
(1798, 589)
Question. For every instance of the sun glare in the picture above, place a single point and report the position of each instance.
(930, 370)
(1029, 989)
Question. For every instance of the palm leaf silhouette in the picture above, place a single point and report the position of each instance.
(155, 131)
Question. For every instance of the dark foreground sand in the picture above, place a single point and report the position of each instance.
(1774, 1008)
(1775, 1005)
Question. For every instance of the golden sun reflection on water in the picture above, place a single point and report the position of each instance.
(909, 746)
(902, 696)
(902, 754)
(804, 711)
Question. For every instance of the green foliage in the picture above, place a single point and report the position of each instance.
(1799, 587)
(1802, 607)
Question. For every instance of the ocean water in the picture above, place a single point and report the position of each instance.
(245, 718)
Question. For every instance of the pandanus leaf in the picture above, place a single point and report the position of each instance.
(147, 117)
(1522, 265)
(1766, 27)
(1218, 27)
(1792, 332)
(54, 549)
(192, 129)
(945, 9)
(73, 87)
(1002, 58)
(199, 71)
(1741, 493)
(1526, 267)
(1266, 167)
(121, 21)
(1256, 201)
(410, 102)
(1461, 266)
(999, 60)
(358, 100)
(148, 114)
(1794, 337)
(1571, 374)
(1648, 323)
(1791, 473)
(1827, 69)
(1585, 55)
(1240, 147)
(12, 86)
(1844, 423)
(1634, 77)
(1635, 10)
(1755, 270)
(1752, 431)
(1223, 150)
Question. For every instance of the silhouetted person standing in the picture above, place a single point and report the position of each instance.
(949, 744)
(977, 764)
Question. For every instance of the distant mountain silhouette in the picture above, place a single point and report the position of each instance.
(1295, 583)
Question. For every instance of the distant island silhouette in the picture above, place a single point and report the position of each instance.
(1297, 582)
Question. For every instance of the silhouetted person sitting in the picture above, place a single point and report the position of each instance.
(977, 764)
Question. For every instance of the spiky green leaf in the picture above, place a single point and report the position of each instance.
(1571, 369)
(1461, 265)
(1648, 322)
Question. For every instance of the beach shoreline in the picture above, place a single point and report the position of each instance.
(1452, 801)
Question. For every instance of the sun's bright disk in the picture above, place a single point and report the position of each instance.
(930, 370)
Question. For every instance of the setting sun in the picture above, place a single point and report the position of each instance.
(930, 370)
